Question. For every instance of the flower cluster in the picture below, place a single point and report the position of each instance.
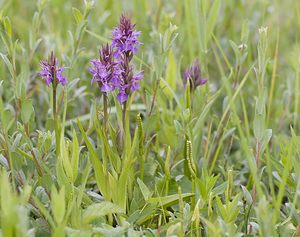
(125, 38)
(51, 72)
(105, 70)
(125, 43)
(193, 75)
(113, 69)
(129, 79)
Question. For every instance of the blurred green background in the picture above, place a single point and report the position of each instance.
(249, 51)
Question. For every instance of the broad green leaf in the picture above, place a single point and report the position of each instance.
(219, 189)
(144, 189)
(77, 15)
(8, 64)
(266, 137)
(168, 200)
(258, 126)
(204, 113)
(97, 165)
(169, 89)
(7, 119)
(173, 230)
(58, 204)
(7, 25)
(97, 210)
(27, 111)
(78, 233)
(64, 156)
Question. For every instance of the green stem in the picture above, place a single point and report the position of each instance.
(56, 121)
(257, 165)
(167, 186)
(181, 209)
(193, 199)
(105, 117)
(124, 126)
(54, 99)
(141, 145)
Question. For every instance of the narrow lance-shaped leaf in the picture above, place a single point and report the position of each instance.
(170, 76)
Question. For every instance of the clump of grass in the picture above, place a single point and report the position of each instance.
(187, 129)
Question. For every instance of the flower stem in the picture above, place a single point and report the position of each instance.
(124, 126)
(54, 100)
(105, 117)
(257, 165)
(56, 121)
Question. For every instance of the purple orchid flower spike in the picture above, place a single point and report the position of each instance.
(105, 70)
(125, 42)
(125, 38)
(129, 79)
(193, 75)
(51, 72)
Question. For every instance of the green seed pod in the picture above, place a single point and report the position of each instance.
(190, 160)
(229, 185)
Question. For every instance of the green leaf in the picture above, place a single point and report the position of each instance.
(58, 204)
(48, 141)
(247, 195)
(97, 165)
(213, 16)
(97, 210)
(78, 233)
(221, 207)
(64, 156)
(144, 189)
(200, 121)
(245, 31)
(267, 134)
(7, 26)
(27, 111)
(219, 189)
(258, 126)
(77, 15)
(170, 76)
(8, 64)
(168, 200)
(7, 119)
(75, 156)
(79, 29)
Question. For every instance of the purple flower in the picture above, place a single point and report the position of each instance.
(125, 38)
(51, 72)
(129, 80)
(105, 70)
(125, 42)
(193, 75)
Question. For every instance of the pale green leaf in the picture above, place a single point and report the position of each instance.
(97, 210)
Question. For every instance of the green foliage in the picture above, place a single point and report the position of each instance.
(220, 160)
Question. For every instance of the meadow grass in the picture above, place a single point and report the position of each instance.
(220, 159)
